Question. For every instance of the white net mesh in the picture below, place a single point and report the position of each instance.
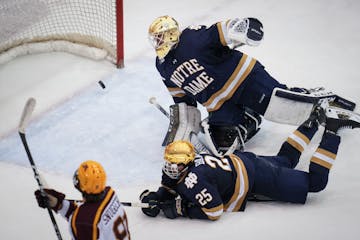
(91, 23)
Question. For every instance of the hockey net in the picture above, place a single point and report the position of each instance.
(90, 28)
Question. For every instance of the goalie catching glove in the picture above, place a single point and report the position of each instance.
(247, 31)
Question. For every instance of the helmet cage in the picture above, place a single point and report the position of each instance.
(157, 39)
(172, 170)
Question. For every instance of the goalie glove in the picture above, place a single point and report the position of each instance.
(247, 31)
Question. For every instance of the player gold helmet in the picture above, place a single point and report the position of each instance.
(90, 177)
(178, 155)
(164, 33)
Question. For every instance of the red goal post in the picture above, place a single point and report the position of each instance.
(90, 28)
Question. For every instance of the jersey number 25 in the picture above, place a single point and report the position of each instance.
(203, 197)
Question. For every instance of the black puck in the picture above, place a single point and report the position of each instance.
(102, 85)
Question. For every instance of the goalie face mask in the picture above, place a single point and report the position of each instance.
(164, 33)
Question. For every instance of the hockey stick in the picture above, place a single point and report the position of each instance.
(251, 198)
(136, 204)
(25, 118)
(127, 204)
(153, 101)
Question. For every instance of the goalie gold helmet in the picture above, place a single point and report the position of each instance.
(178, 155)
(164, 33)
(90, 177)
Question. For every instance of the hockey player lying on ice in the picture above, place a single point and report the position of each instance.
(204, 186)
(200, 65)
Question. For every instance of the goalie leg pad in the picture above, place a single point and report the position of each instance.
(289, 107)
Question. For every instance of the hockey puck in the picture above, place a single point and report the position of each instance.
(102, 85)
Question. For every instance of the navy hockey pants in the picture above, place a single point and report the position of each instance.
(258, 89)
(275, 176)
(254, 93)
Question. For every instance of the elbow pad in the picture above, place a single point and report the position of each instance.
(247, 31)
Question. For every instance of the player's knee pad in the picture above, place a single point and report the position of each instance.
(224, 137)
(251, 124)
(221, 140)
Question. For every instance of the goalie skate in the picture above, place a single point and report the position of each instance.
(338, 118)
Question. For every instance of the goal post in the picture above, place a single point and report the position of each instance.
(120, 33)
(90, 28)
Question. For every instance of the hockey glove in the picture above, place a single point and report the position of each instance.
(247, 31)
(152, 199)
(52, 199)
(174, 208)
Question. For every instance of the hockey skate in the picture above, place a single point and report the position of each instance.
(338, 118)
(317, 115)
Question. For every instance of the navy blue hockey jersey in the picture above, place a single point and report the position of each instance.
(214, 184)
(202, 68)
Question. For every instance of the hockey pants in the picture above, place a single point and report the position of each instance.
(275, 176)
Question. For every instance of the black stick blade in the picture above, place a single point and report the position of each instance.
(26, 114)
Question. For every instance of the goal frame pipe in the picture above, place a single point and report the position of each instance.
(120, 33)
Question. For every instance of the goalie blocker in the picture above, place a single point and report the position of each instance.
(184, 122)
